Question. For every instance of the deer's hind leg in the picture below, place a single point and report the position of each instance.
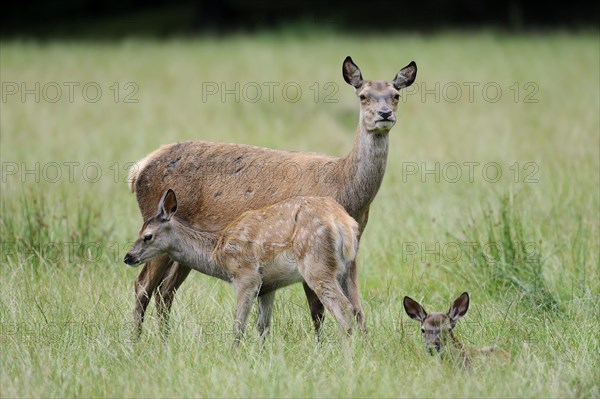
(317, 310)
(323, 281)
(350, 287)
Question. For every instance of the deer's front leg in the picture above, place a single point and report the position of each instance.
(265, 312)
(166, 291)
(149, 278)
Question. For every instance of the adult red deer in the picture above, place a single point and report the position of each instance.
(217, 182)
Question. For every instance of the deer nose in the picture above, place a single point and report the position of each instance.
(129, 259)
(385, 114)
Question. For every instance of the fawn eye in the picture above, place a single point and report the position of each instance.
(147, 237)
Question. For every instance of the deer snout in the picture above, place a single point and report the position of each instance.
(433, 348)
(131, 260)
(385, 113)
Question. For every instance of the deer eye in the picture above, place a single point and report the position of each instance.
(422, 331)
(397, 97)
(147, 237)
(362, 97)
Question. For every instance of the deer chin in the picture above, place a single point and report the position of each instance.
(385, 123)
(435, 351)
(381, 126)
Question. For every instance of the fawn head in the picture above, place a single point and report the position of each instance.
(378, 98)
(153, 238)
(437, 327)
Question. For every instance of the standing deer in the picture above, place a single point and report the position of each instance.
(437, 328)
(309, 239)
(217, 182)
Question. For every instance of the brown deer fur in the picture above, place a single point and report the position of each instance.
(216, 182)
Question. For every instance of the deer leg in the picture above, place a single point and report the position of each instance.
(145, 284)
(350, 286)
(336, 302)
(332, 297)
(165, 294)
(247, 287)
(317, 310)
(265, 311)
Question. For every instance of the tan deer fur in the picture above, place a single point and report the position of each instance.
(437, 329)
(216, 182)
(302, 239)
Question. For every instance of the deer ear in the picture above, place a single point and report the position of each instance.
(406, 76)
(459, 308)
(167, 205)
(414, 310)
(352, 74)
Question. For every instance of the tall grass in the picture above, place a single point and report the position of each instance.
(38, 229)
(505, 257)
(65, 322)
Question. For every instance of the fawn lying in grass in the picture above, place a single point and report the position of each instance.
(303, 239)
(437, 328)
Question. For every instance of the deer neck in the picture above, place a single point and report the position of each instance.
(364, 169)
(194, 248)
(461, 352)
(456, 342)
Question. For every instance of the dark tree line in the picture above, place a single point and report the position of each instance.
(114, 18)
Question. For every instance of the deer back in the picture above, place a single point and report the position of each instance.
(216, 182)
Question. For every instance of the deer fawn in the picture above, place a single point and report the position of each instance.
(308, 239)
(437, 328)
(217, 182)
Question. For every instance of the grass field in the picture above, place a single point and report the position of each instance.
(492, 187)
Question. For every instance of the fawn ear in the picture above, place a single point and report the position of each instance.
(414, 310)
(459, 308)
(167, 205)
(406, 76)
(352, 74)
